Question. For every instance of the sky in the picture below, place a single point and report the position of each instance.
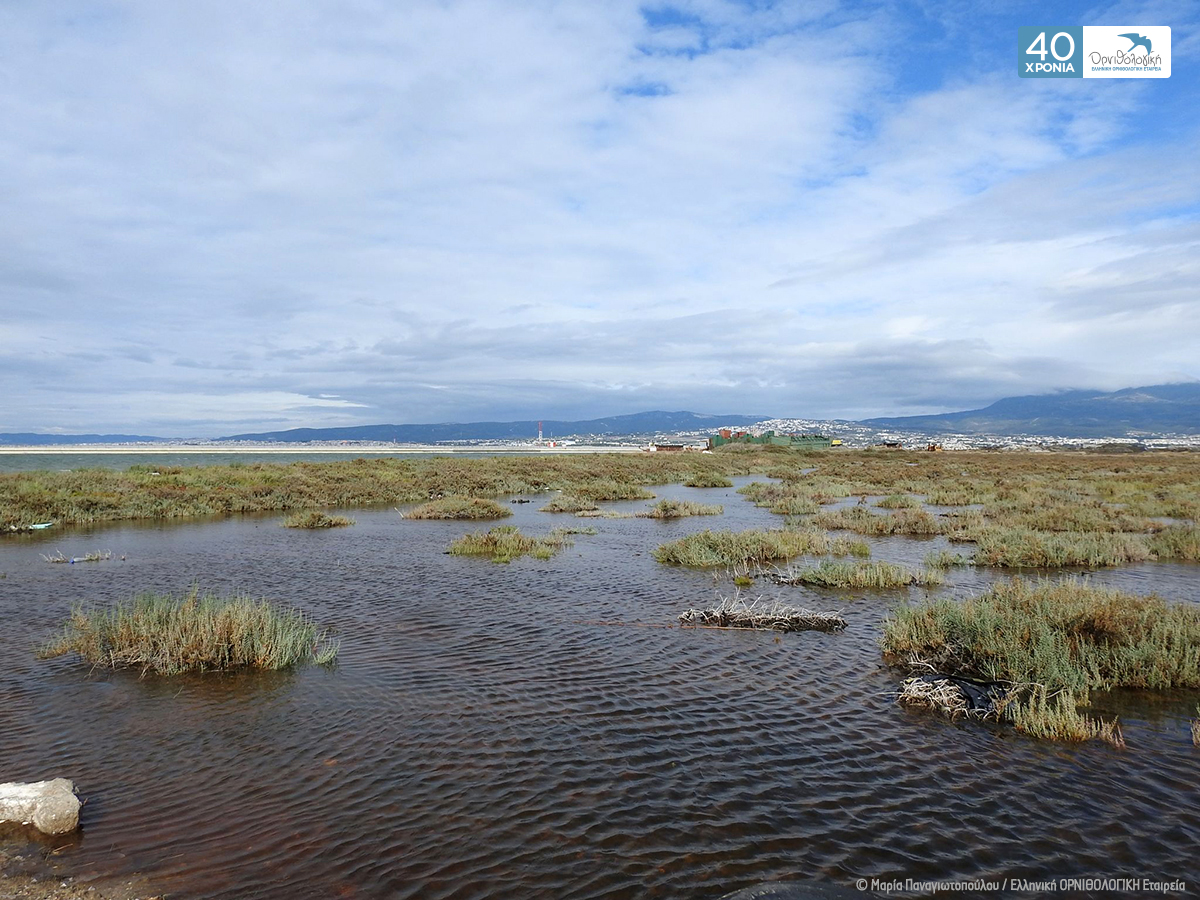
(223, 217)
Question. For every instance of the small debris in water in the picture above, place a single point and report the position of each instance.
(737, 613)
(953, 696)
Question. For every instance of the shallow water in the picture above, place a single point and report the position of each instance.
(481, 737)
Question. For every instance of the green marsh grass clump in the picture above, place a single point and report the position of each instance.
(608, 489)
(763, 493)
(1055, 716)
(708, 549)
(565, 503)
(708, 479)
(584, 497)
(459, 508)
(947, 495)
(1177, 542)
(506, 543)
(795, 505)
(315, 519)
(1017, 547)
(877, 575)
(1053, 642)
(944, 559)
(679, 509)
(195, 632)
(1042, 510)
(899, 501)
(781, 499)
(861, 520)
(845, 547)
(962, 527)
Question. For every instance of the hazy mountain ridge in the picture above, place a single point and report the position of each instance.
(652, 422)
(30, 439)
(1160, 408)
(1157, 409)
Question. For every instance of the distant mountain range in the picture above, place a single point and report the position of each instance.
(1157, 408)
(654, 422)
(1160, 408)
(46, 440)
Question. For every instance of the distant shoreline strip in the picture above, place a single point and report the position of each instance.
(118, 450)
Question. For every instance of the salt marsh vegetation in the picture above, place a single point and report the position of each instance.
(505, 543)
(316, 519)
(680, 509)
(459, 508)
(1052, 643)
(195, 632)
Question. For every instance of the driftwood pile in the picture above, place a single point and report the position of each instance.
(940, 695)
(954, 696)
(737, 613)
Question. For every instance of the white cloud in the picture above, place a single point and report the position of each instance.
(325, 214)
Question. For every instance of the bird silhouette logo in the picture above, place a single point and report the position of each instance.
(1138, 40)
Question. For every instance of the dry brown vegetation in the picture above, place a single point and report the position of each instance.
(734, 612)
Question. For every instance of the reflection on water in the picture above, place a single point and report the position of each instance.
(479, 740)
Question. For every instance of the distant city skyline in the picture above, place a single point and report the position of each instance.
(226, 218)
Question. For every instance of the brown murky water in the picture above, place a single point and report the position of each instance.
(480, 739)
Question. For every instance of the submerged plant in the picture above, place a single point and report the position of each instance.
(194, 632)
(93, 556)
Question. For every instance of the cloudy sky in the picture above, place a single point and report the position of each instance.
(231, 216)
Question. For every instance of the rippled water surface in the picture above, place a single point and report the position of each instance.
(483, 736)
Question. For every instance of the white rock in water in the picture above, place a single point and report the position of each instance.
(50, 806)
